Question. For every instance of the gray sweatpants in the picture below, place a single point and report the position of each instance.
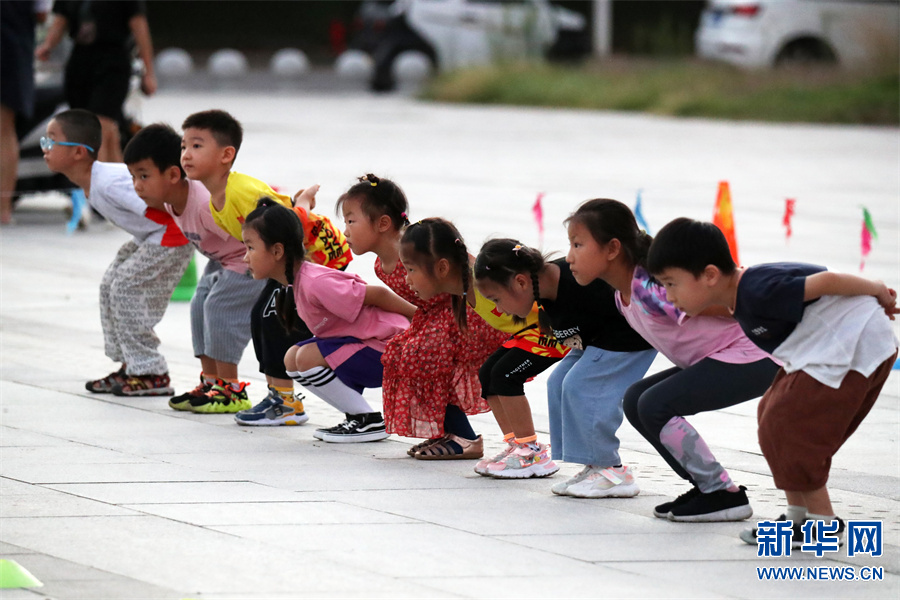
(220, 312)
(134, 294)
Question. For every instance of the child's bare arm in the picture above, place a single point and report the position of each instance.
(388, 300)
(827, 283)
(306, 198)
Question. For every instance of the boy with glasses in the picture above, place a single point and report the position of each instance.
(136, 287)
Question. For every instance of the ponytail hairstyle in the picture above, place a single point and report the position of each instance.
(501, 260)
(378, 197)
(433, 239)
(610, 219)
(276, 224)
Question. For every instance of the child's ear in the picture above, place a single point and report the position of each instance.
(442, 268)
(384, 224)
(522, 281)
(173, 174)
(711, 275)
(228, 154)
(613, 249)
(277, 250)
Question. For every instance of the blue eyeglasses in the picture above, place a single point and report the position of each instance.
(47, 144)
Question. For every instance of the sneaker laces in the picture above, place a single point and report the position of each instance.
(581, 475)
(348, 425)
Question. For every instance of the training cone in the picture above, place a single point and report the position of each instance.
(723, 218)
(184, 291)
(14, 576)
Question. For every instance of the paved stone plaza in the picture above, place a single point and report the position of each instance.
(104, 497)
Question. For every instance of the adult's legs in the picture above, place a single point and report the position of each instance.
(9, 162)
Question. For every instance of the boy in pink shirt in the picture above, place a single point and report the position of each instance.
(220, 309)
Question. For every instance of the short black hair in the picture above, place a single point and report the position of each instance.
(226, 130)
(81, 127)
(157, 142)
(690, 245)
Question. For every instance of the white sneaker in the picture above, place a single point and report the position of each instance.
(560, 488)
(606, 483)
(523, 463)
(481, 465)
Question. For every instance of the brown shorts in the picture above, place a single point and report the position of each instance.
(803, 423)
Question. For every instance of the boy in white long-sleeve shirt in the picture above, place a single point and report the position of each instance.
(136, 287)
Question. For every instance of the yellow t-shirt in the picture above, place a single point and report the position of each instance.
(324, 242)
(526, 336)
(242, 192)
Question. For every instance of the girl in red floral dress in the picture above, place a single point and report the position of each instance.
(431, 369)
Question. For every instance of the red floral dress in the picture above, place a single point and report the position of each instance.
(432, 364)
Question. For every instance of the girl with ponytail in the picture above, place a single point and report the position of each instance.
(585, 390)
(431, 369)
(437, 262)
(350, 321)
(716, 365)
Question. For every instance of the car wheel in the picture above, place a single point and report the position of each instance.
(804, 53)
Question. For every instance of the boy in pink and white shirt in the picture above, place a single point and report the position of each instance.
(221, 307)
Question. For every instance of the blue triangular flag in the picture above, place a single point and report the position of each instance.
(639, 214)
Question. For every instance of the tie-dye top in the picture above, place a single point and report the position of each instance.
(682, 339)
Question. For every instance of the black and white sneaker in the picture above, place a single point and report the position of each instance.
(715, 506)
(365, 427)
(662, 510)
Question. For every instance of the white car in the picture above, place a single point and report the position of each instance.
(765, 33)
(464, 33)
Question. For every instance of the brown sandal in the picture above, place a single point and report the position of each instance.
(422, 445)
(442, 450)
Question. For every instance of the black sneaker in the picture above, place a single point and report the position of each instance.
(749, 536)
(715, 506)
(662, 511)
(365, 427)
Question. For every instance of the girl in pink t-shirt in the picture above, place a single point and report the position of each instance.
(716, 365)
(350, 321)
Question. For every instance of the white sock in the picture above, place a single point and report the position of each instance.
(324, 383)
(826, 518)
(797, 514)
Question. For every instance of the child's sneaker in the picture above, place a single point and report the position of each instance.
(105, 385)
(721, 505)
(222, 399)
(524, 462)
(365, 427)
(610, 482)
(144, 385)
(560, 488)
(481, 467)
(273, 410)
(183, 401)
(662, 510)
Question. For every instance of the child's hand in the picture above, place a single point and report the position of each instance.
(307, 198)
(887, 298)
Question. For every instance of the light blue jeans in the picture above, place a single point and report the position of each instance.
(585, 394)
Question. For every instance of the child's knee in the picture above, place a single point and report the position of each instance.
(290, 359)
(307, 357)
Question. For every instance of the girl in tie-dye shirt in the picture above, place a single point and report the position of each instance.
(716, 366)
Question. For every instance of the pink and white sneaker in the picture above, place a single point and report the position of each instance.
(482, 466)
(605, 483)
(524, 462)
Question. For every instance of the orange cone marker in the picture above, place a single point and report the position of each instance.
(723, 218)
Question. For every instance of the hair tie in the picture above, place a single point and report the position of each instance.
(487, 267)
(373, 183)
(458, 242)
